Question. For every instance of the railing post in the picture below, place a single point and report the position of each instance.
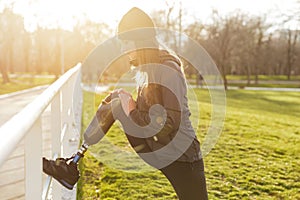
(77, 103)
(55, 138)
(33, 162)
(66, 117)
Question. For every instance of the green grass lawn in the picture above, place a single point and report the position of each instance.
(263, 77)
(279, 81)
(242, 85)
(257, 155)
(260, 77)
(22, 83)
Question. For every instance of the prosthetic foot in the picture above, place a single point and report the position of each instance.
(64, 170)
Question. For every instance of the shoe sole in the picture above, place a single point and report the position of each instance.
(64, 183)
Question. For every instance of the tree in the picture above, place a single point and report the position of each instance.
(278, 53)
(253, 43)
(292, 37)
(221, 40)
(12, 30)
(93, 32)
(171, 19)
(5, 44)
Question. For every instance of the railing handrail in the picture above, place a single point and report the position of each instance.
(16, 128)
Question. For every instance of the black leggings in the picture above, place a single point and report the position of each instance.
(187, 179)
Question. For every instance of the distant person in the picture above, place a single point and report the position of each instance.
(173, 148)
(199, 80)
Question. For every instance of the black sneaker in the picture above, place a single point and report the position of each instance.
(63, 170)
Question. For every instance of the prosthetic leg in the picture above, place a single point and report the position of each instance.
(64, 170)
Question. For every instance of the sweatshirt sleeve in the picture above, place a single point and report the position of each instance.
(172, 91)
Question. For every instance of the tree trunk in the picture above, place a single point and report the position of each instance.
(11, 60)
(289, 55)
(256, 76)
(4, 74)
(224, 76)
(248, 75)
(225, 81)
(291, 51)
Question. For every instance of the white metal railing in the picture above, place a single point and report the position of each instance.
(48, 183)
(27, 124)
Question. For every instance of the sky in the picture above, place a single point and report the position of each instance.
(65, 13)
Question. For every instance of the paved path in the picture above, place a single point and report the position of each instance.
(106, 87)
(12, 171)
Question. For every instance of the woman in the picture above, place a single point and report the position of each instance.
(157, 124)
(162, 135)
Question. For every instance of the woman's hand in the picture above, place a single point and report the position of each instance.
(127, 102)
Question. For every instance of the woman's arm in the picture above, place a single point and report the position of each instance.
(127, 102)
(172, 91)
